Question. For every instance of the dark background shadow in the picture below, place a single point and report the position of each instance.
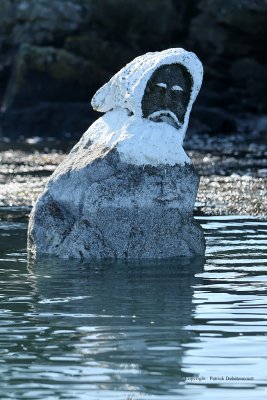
(55, 54)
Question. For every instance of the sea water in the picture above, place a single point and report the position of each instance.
(182, 328)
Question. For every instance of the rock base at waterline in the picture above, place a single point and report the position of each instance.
(110, 209)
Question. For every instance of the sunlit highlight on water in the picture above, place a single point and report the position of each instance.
(179, 328)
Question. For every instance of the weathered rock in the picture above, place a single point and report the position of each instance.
(105, 34)
(110, 55)
(41, 22)
(230, 37)
(248, 16)
(137, 24)
(48, 74)
(7, 20)
(127, 189)
(233, 28)
(110, 209)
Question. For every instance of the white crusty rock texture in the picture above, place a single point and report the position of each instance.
(127, 189)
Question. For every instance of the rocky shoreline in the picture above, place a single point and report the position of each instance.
(54, 55)
(233, 174)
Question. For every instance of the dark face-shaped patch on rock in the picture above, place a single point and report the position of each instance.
(167, 95)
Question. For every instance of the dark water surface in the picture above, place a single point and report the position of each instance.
(189, 329)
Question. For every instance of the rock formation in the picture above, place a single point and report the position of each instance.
(127, 189)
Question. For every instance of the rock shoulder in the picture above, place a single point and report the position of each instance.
(97, 207)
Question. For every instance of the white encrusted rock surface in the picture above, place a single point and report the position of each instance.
(126, 89)
(127, 189)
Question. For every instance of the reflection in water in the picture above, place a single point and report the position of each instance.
(126, 320)
(134, 331)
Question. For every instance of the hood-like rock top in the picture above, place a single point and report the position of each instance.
(126, 88)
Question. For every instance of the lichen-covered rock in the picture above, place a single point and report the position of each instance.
(127, 189)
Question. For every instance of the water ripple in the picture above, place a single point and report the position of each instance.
(178, 328)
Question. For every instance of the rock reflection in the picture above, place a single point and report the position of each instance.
(117, 325)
